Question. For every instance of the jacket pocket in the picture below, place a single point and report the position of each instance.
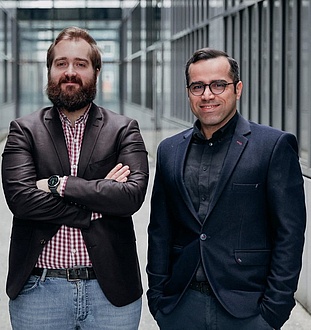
(246, 187)
(252, 257)
(101, 168)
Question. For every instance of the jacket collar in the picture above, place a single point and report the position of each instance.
(92, 129)
(236, 148)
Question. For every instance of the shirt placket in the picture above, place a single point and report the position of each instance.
(74, 146)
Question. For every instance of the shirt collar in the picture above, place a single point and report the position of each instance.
(220, 134)
(82, 119)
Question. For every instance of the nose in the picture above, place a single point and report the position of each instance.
(70, 70)
(207, 94)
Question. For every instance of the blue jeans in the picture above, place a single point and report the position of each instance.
(58, 304)
(197, 311)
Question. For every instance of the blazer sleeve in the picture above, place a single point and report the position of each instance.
(159, 239)
(110, 197)
(19, 176)
(286, 203)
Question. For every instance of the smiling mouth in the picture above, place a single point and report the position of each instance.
(209, 106)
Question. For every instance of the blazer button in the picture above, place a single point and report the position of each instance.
(43, 242)
(203, 237)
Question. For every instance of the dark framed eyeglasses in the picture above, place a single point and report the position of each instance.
(216, 87)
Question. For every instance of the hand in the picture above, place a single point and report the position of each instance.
(119, 173)
(43, 185)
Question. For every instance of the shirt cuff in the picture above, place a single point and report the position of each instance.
(62, 185)
(96, 216)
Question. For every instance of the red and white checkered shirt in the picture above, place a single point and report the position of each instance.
(67, 248)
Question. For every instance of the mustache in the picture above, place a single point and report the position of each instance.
(71, 79)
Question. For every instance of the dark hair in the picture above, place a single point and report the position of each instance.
(209, 53)
(74, 33)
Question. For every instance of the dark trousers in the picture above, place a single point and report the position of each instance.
(197, 311)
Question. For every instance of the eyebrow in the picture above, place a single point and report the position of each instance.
(201, 82)
(75, 59)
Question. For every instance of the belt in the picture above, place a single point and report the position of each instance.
(203, 287)
(71, 274)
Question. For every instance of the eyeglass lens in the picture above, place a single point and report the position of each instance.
(216, 87)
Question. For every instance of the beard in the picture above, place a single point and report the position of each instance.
(71, 99)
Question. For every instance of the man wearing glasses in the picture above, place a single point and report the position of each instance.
(228, 215)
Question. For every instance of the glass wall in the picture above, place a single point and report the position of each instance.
(143, 75)
(9, 79)
(269, 38)
(27, 29)
(36, 35)
(303, 83)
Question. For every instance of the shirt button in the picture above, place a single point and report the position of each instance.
(203, 237)
(210, 144)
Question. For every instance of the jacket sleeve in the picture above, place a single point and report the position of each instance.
(19, 176)
(159, 240)
(110, 197)
(286, 202)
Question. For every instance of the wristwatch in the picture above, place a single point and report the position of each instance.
(53, 183)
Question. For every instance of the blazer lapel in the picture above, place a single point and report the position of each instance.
(181, 152)
(236, 148)
(93, 127)
(54, 127)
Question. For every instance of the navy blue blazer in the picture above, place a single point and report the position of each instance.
(36, 149)
(251, 240)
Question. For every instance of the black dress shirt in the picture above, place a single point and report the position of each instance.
(203, 166)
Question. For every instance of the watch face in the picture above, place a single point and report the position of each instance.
(53, 180)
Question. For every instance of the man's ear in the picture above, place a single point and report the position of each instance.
(238, 88)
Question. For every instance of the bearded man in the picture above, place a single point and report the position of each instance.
(73, 175)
